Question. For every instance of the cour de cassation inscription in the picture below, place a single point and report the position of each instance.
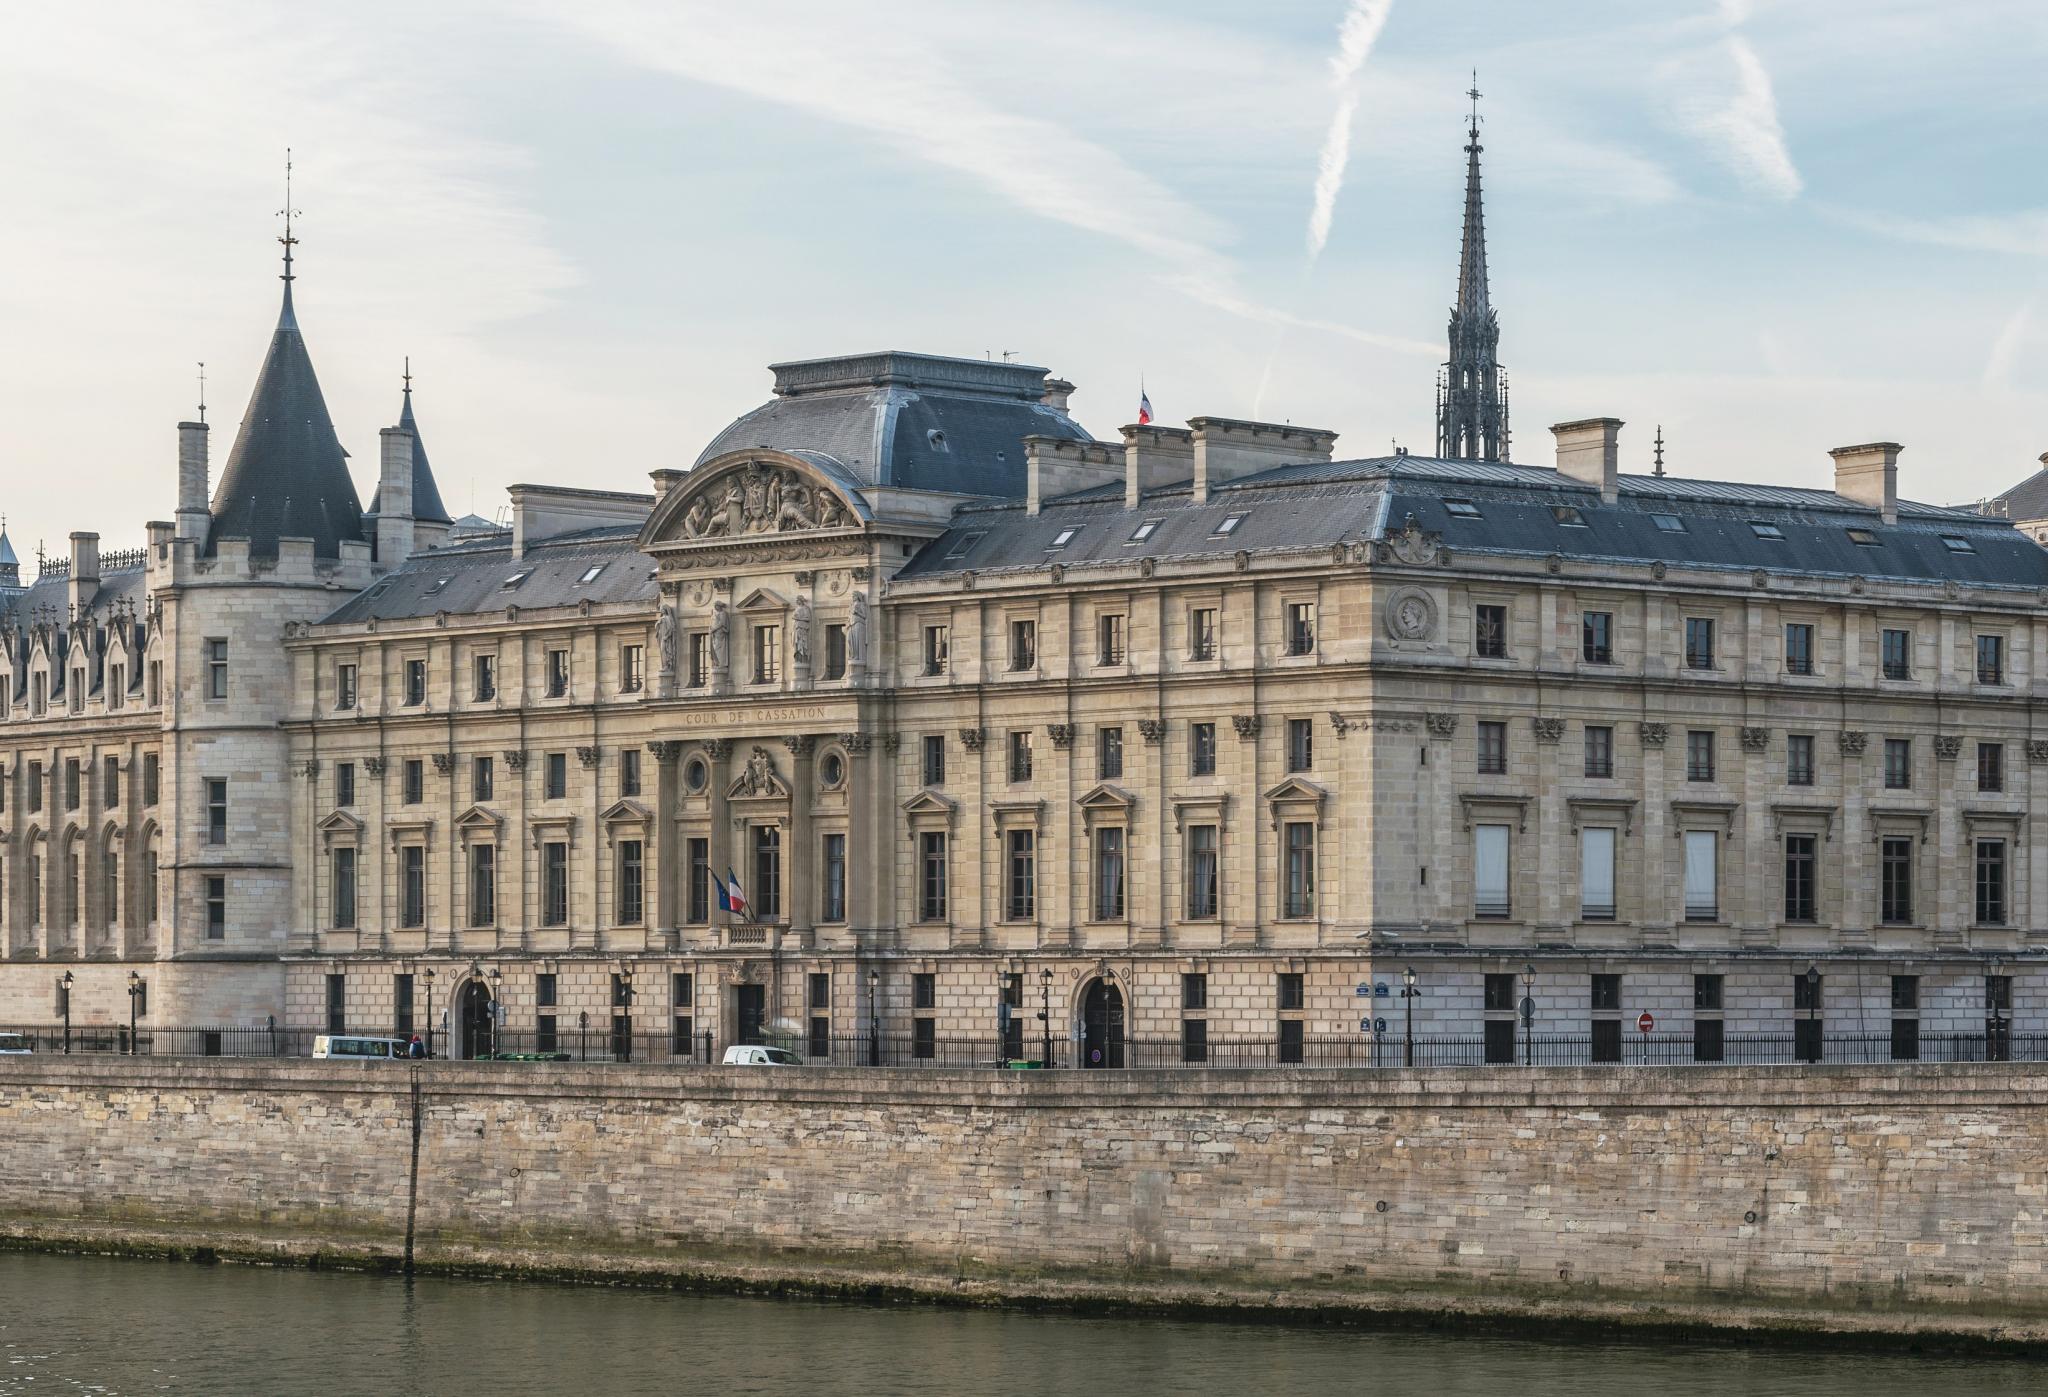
(1851, 1199)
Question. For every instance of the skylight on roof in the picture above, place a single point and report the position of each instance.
(1061, 539)
(1228, 526)
(1144, 531)
(1669, 523)
(439, 583)
(965, 542)
(515, 579)
(1462, 509)
(1763, 530)
(590, 574)
(1863, 536)
(1569, 516)
(1956, 543)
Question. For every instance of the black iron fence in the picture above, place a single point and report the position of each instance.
(608, 1043)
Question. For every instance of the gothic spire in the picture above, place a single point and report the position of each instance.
(1472, 414)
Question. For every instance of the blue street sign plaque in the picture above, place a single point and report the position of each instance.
(1379, 989)
(1364, 990)
(1365, 1025)
(1379, 1025)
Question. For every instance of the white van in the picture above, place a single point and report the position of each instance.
(14, 1045)
(381, 1049)
(761, 1057)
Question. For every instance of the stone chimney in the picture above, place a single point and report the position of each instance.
(1057, 391)
(85, 570)
(1869, 475)
(665, 480)
(1226, 449)
(1055, 466)
(394, 498)
(1155, 456)
(1590, 452)
(192, 510)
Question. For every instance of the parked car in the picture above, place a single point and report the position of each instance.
(14, 1045)
(357, 1049)
(752, 1056)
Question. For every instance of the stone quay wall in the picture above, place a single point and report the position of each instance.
(1907, 1200)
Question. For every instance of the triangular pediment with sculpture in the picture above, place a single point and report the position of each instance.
(758, 779)
(748, 496)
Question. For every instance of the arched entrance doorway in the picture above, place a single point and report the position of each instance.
(473, 1011)
(1102, 1024)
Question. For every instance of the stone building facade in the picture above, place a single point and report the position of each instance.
(912, 712)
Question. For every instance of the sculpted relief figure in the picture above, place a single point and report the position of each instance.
(759, 777)
(665, 637)
(721, 637)
(857, 632)
(762, 499)
(800, 631)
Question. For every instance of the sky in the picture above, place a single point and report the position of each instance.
(1771, 226)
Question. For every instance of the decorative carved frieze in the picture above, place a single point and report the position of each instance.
(760, 498)
(1152, 730)
(1948, 747)
(444, 762)
(971, 738)
(1410, 545)
(1339, 722)
(515, 760)
(1247, 724)
(855, 743)
(665, 751)
(373, 765)
(758, 777)
(1852, 742)
(800, 745)
(1440, 724)
(718, 748)
(1548, 729)
(892, 742)
(589, 756)
(1756, 739)
(1062, 735)
(1653, 734)
(309, 770)
(2037, 749)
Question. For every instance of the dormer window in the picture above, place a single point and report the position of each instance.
(1462, 509)
(1569, 516)
(965, 542)
(1061, 539)
(1956, 543)
(1862, 537)
(1768, 531)
(439, 583)
(590, 574)
(515, 579)
(1144, 531)
(1229, 525)
(1669, 523)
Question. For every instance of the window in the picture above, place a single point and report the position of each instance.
(1109, 637)
(337, 1004)
(412, 886)
(344, 783)
(1194, 1039)
(931, 902)
(1020, 755)
(401, 1004)
(934, 760)
(1898, 763)
(35, 787)
(1699, 756)
(1699, 642)
(590, 574)
(483, 884)
(632, 668)
(483, 779)
(767, 872)
(1461, 509)
(1109, 754)
(1109, 873)
(1490, 632)
(1023, 645)
(1905, 994)
(1990, 659)
(1020, 878)
(1493, 748)
(768, 654)
(1228, 526)
(835, 651)
(1596, 874)
(1956, 543)
(151, 782)
(484, 677)
(1895, 881)
(632, 882)
(554, 883)
(1201, 901)
(1897, 647)
(1806, 1031)
(1568, 516)
(216, 811)
(1766, 531)
(344, 686)
(216, 669)
(117, 688)
(557, 673)
(1990, 766)
(1202, 633)
(1798, 648)
(1709, 1037)
(415, 781)
(698, 857)
(216, 907)
(1991, 882)
(1301, 744)
(1998, 1018)
(1669, 523)
(1799, 759)
(1301, 628)
(1300, 838)
(555, 776)
(1144, 531)
(1490, 871)
(1708, 993)
(936, 649)
(1702, 881)
(1606, 993)
(1500, 994)
(1801, 878)
(511, 583)
(415, 683)
(832, 897)
(1194, 992)
(964, 545)
(1863, 538)
(1599, 751)
(700, 659)
(341, 873)
(924, 990)
(1288, 990)
(1596, 637)
(1202, 749)
(629, 771)
(1061, 539)
(71, 783)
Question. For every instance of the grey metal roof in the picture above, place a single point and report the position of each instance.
(915, 421)
(287, 475)
(2026, 500)
(1319, 503)
(470, 579)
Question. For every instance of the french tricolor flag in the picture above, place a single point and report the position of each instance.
(1144, 409)
(731, 896)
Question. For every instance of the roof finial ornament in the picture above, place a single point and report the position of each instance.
(1474, 93)
(202, 390)
(288, 212)
(1658, 469)
(407, 376)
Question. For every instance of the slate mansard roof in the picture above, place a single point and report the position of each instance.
(913, 421)
(471, 578)
(1499, 509)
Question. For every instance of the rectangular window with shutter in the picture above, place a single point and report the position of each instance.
(1596, 874)
(1490, 870)
(1702, 887)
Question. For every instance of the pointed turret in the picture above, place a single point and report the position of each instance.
(287, 476)
(1472, 407)
(10, 566)
(426, 496)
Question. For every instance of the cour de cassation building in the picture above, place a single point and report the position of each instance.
(912, 712)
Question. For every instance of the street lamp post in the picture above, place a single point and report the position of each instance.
(135, 993)
(64, 998)
(430, 1011)
(1045, 1015)
(1528, 1015)
(1813, 1010)
(874, 1019)
(622, 1050)
(497, 1006)
(1408, 993)
(583, 1033)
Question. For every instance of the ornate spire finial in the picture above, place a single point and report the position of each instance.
(1658, 469)
(288, 213)
(407, 375)
(1474, 93)
(1472, 412)
(202, 390)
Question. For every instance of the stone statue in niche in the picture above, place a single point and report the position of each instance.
(857, 632)
(800, 631)
(762, 499)
(721, 638)
(665, 637)
(758, 778)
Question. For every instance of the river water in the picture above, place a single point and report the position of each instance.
(77, 1325)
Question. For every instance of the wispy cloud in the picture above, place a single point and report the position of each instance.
(1727, 102)
(1355, 38)
(2020, 234)
(2005, 350)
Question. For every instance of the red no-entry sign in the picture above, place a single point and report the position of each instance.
(1644, 1023)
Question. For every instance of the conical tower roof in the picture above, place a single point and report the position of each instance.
(287, 476)
(7, 558)
(426, 495)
